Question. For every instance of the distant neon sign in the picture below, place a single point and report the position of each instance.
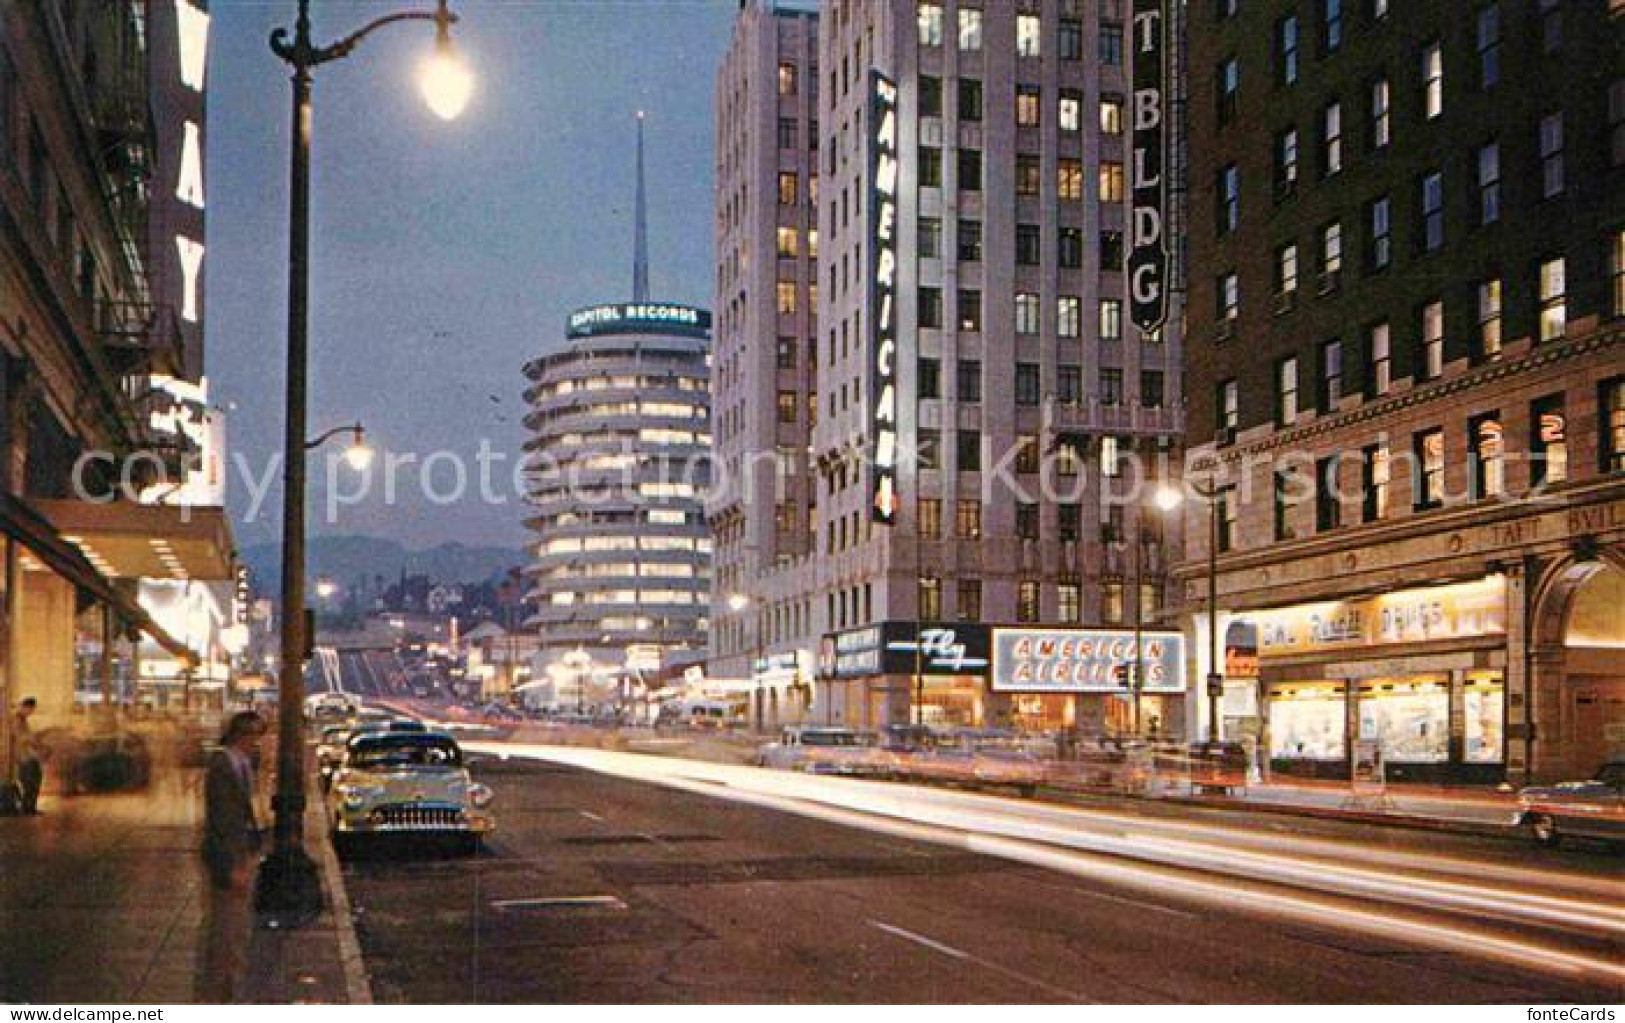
(1148, 251)
(603, 319)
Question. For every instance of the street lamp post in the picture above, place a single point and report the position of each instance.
(1164, 499)
(288, 884)
(1167, 499)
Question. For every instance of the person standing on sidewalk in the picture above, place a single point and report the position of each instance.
(231, 844)
(30, 769)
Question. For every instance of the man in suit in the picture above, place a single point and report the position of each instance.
(30, 771)
(231, 842)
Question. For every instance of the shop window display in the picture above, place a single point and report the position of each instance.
(1409, 719)
(1483, 711)
(1307, 722)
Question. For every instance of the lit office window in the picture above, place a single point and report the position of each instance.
(1028, 29)
(1553, 286)
(1070, 111)
(930, 24)
(1111, 181)
(1432, 341)
(1432, 80)
(1380, 363)
(970, 29)
(1489, 318)
(1549, 441)
(1111, 115)
(1381, 114)
(1069, 316)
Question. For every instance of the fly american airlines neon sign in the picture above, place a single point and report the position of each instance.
(883, 173)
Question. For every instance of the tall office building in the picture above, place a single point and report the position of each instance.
(763, 374)
(1407, 375)
(982, 374)
(619, 463)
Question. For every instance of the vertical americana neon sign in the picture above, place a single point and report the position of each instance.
(883, 174)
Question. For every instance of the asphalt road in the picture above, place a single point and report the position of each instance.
(602, 889)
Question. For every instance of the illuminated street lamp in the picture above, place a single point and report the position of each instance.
(358, 453)
(325, 588)
(288, 885)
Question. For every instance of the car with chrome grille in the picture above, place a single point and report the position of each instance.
(414, 783)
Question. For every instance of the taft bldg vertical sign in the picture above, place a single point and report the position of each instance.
(882, 154)
(1148, 250)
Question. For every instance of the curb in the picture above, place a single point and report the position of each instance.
(357, 986)
(1410, 822)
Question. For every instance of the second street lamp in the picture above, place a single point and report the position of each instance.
(288, 885)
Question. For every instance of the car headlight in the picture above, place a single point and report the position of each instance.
(480, 795)
(355, 796)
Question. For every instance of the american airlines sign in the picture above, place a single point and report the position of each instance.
(1148, 249)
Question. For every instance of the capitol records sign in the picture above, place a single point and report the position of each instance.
(1148, 248)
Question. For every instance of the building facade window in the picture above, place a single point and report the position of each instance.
(1026, 520)
(1432, 211)
(1227, 84)
(1286, 162)
(1375, 468)
(1027, 601)
(1381, 114)
(970, 99)
(970, 29)
(970, 451)
(788, 188)
(929, 383)
(1489, 318)
(930, 518)
(1227, 191)
(1027, 313)
(1069, 179)
(1069, 39)
(930, 598)
(1552, 288)
(1487, 39)
(970, 600)
(1286, 50)
(968, 519)
(1069, 384)
(1111, 387)
(1328, 494)
(1551, 155)
(970, 310)
(930, 24)
(1379, 361)
(1331, 374)
(1229, 407)
(968, 380)
(1548, 441)
(928, 307)
(1331, 26)
(1431, 364)
(1069, 248)
(1429, 452)
(787, 79)
(1286, 391)
(1487, 169)
(1028, 106)
(1069, 110)
(1489, 456)
(786, 296)
(1111, 114)
(1111, 181)
(1432, 80)
(1228, 294)
(1111, 45)
(1029, 245)
(930, 96)
(1331, 139)
(1380, 244)
(1152, 388)
(1226, 498)
(970, 170)
(1069, 316)
(1286, 270)
(969, 241)
(1111, 319)
(1029, 31)
(930, 244)
(1027, 383)
(1611, 406)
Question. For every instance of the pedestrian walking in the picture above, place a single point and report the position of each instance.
(231, 844)
(29, 755)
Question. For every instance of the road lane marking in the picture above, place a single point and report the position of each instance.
(920, 939)
(561, 902)
(590, 815)
(954, 953)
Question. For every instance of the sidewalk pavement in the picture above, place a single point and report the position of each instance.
(104, 895)
(1442, 808)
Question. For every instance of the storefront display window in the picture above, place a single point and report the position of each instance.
(1307, 722)
(1483, 711)
(952, 702)
(1042, 712)
(1409, 718)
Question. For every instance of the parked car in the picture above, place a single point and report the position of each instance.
(406, 782)
(820, 749)
(1583, 809)
(330, 751)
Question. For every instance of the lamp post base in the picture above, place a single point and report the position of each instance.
(288, 890)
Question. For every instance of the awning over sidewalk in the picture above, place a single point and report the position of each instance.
(126, 540)
(40, 536)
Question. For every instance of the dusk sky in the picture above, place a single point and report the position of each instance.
(445, 255)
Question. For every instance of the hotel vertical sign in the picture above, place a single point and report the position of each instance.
(1148, 249)
(883, 175)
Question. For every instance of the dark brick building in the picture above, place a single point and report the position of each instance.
(1406, 374)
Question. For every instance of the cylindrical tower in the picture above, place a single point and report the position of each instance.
(618, 466)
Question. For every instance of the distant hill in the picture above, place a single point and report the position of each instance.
(345, 559)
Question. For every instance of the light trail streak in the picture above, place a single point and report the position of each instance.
(981, 824)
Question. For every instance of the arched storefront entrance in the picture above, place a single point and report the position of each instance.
(1578, 666)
